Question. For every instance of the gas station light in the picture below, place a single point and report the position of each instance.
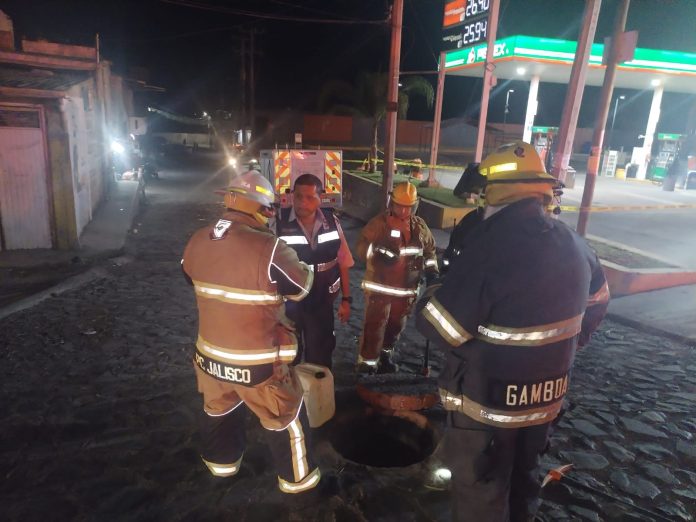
(521, 71)
(655, 82)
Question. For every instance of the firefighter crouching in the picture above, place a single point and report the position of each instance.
(241, 273)
(398, 249)
(525, 292)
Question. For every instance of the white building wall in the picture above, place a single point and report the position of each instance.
(203, 140)
(82, 122)
(138, 125)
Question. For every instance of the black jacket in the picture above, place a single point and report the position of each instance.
(523, 293)
(323, 257)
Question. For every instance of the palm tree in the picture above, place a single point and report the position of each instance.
(367, 98)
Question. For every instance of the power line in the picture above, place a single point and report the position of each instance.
(266, 16)
(172, 36)
(310, 9)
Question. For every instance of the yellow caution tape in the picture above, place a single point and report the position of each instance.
(625, 208)
(422, 166)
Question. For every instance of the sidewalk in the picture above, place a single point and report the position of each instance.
(30, 276)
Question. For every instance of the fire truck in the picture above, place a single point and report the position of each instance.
(283, 166)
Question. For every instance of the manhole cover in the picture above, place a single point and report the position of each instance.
(382, 441)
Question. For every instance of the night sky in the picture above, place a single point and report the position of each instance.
(195, 53)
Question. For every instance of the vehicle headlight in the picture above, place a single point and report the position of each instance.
(117, 147)
(232, 162)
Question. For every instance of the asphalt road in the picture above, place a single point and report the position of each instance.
(665, 233)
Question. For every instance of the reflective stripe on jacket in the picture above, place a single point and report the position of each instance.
(323, 257)
(241, 274)
(511, 311)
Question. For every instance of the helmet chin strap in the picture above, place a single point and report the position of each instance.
(258, 216)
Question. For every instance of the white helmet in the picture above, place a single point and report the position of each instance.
(252, 185)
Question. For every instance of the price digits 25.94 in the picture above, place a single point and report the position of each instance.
(475, 32)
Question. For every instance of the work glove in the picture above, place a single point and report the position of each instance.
(385, 253)
(431, 278)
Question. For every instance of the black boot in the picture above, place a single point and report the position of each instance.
(386, 365)
(366, 367)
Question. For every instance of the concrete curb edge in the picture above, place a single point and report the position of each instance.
(653, 330)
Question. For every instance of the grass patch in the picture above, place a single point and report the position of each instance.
(443, 196)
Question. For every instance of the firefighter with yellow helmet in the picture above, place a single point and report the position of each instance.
(242, 273)
(522, 296)
(398, 249)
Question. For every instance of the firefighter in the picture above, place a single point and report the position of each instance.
(316, 235)
(241, 273)
(523, 295)
(398, 249)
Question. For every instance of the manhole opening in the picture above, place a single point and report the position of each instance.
(382, 441)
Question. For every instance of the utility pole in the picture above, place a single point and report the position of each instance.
(601, 118)
(507, 104)
(613, 119)
(571, 107)
(252, 84)
(392, 99)
(488, 78)
(435, 145)
(242, 77)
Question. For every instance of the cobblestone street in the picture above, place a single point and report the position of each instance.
(99, 406)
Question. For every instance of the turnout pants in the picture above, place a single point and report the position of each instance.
(494, 470)
(277, 402)
(385, 319)
(314, 325)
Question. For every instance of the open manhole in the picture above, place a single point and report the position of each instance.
(383, 441)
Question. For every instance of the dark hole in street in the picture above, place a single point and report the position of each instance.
(381, 441)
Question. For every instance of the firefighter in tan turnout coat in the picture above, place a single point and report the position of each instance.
(398, 249)
(242, 273)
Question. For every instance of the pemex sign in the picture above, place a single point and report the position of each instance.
(477, 53)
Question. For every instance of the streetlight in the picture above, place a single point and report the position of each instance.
(507, 104)
(613, 118)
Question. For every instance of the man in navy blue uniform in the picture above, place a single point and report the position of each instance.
(316, 235)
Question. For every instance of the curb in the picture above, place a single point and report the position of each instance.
(65, 285)
(653, 330)
(624, 281)
(627, 248)
(70, 283)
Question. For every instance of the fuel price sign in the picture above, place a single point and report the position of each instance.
(465, 23)
(458, 12)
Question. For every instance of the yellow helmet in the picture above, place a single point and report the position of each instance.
(516, 162)
(404, 194)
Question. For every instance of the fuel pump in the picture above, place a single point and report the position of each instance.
(668, 146)
(542, 139)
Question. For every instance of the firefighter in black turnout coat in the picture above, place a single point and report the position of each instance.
(523, 294)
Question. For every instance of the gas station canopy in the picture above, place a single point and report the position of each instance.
(519, 57)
